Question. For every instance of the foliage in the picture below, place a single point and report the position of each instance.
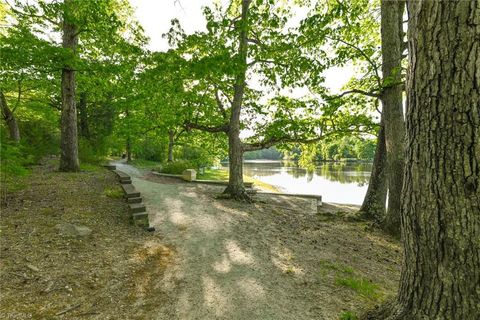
(177, 167)
(348, 315)
(269, 154)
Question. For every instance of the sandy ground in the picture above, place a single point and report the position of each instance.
(276, 259)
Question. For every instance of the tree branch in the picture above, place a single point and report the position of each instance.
(365, 93)
(221, 128)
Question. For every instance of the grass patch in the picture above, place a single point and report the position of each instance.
(348, 315)
(362, 286)
(113, 192)
(222, 175)
(85, 166)
(345, 276)
(336, 267)
(144, 164)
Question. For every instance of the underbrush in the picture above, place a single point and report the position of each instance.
(177, 167)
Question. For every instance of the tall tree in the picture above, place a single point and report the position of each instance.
(10, 119)
(392, 101)
(251, 42)
(235, 149)
(69, 136)
(440, 277)
(373, 206)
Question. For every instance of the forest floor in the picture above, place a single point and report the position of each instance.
(208, 259)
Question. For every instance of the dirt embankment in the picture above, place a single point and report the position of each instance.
(46, 272)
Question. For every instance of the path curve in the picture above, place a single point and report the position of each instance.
(231, 261)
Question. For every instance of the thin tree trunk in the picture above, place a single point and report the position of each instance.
(69, 139)
(83, 115)
(171, 143)
(373, 206)
(235, 187)
(393, 110)
(129, 149)
(440, 278)
(10, 119)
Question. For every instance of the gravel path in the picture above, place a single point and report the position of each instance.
(240, 261)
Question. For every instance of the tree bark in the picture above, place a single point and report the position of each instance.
(83, 115)
(235, 187)
(171, 143)
(10, 119)
(440, 277)
(391, 12)
(69, 138)
(129, 149)
(373, 206)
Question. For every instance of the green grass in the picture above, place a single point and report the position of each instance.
(348, 315)
(144, 164)
(362, 286)
(346, 276)
(85, 166)
(336, 267)
(222, 175)
(114, 192)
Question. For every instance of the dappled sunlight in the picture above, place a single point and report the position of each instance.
(283, 259)
(237, 255)
(214, 297)
(222, 266)
(219, 205)
(251, 288)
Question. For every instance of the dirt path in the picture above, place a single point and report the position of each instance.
(262, 261)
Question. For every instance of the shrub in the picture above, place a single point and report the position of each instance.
(177, 167)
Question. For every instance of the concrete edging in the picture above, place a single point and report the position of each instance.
(136, 208)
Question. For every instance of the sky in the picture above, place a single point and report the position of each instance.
(155, 17)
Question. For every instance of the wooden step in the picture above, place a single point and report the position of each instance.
(121, 174)
(126, 181)
(129, 191)
(110, 166)
(136, 208)
(134, 200)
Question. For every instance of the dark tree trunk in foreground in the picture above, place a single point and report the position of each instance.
(373, 206)
(441, 201)
(83, 115)
(171, 143)
(69, 139)
(10, 120)
(235, 187)
(391, 12)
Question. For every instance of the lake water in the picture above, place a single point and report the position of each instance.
(336, 182)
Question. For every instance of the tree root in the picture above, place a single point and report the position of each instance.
(237, 195)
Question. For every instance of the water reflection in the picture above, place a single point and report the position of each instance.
(336, 182)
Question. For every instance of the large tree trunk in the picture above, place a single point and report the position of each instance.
(391, 12)
(83, 115)
(441, 201)
(69, 139)
(235, 187)
(373, 206)
(10, 119)
(171, 143)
